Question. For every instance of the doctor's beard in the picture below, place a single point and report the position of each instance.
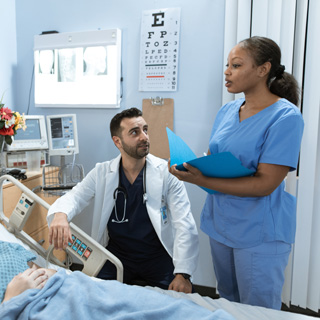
(136, 152)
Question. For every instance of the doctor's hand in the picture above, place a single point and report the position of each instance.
(192, 175)
(180, 284)
(32, 278)
(59, 231)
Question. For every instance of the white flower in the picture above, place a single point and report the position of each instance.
(10, 122)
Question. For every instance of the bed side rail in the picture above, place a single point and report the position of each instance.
(83, 247)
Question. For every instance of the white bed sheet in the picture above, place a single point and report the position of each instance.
(237, 310)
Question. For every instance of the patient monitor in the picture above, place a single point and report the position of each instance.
(33, 138)
(62, 134)
(83, 247)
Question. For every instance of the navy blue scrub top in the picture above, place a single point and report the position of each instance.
(135, 239)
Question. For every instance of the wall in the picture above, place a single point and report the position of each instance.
(8, 52)
(199, 85)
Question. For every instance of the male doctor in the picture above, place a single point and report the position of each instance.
(141, 212)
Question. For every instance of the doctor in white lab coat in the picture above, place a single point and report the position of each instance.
(164, 197)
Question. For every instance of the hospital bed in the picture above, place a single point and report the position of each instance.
(83, 248)
(237, 310)
(12, 232)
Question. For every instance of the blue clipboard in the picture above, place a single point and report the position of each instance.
(219, 165)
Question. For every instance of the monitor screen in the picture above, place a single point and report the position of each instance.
(33, 132)
(62, 134)
(34, 137)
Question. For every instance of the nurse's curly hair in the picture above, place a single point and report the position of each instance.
(116, 120)
(280, 83)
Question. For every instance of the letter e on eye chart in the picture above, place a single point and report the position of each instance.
(159, 50)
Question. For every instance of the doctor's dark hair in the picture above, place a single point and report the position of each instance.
(116, 120)
(280, 83)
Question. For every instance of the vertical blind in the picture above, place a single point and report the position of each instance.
(294, 25)
(306, 260)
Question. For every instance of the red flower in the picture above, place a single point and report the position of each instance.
(6, 113)
(7, 131)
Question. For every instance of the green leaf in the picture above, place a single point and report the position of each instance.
(2, 123)
(8, 140)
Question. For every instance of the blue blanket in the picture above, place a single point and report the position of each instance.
(76, 296)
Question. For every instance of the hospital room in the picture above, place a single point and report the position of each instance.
(114, 108)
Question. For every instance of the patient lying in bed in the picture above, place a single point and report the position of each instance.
(17, 271)
(20, 266)
(46, 294)
(32, 278)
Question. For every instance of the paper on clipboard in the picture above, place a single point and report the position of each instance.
(158, 117)
(219, 165)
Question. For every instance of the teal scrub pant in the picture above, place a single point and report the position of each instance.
(253, 275)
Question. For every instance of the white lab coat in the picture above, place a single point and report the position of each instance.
(179, 235)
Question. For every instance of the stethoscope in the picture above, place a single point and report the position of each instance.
(121, 190)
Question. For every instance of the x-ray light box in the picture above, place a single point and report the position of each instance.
(78, 69)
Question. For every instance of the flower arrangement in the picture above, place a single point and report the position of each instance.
(10, 122)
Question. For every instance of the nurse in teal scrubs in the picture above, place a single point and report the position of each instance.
(251, 221)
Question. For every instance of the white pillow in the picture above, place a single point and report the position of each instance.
(5, 235)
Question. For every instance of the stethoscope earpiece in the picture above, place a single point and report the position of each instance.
(122, 190)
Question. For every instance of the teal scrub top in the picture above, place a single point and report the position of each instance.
(273, 136)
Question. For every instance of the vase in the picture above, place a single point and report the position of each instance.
(3, 164)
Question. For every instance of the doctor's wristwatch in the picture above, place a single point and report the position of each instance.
(185, 275)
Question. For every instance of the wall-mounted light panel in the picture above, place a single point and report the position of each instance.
(78, 69)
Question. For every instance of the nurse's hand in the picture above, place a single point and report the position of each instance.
(59, 231)
(192, 175)
(32, 278)
(180, 284)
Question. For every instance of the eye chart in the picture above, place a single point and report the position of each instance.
(159, 50)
